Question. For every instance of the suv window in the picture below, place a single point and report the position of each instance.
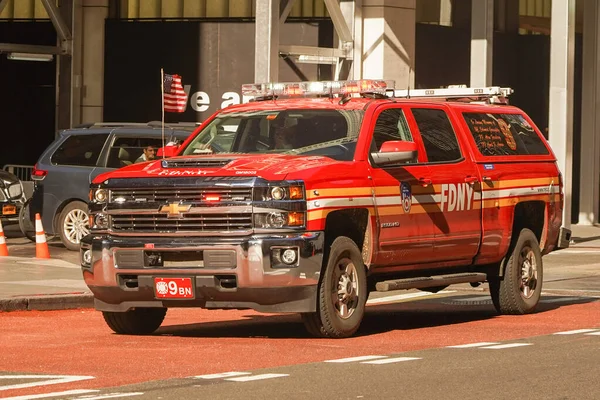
(504, 135)
(391, 125)
(438, 135)
(80, 150)
(125, 150)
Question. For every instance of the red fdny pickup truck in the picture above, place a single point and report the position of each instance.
(314, 194)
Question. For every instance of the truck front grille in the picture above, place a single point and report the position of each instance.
(193, 195)
(147, 223)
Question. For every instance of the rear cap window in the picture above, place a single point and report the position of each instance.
(504, 135)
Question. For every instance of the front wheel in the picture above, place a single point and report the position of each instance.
(342, 293)
(139, 321)
(519, 290)
(73, 224)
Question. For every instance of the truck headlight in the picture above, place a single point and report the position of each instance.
(279, 219)
(282, 191)
(101, 195)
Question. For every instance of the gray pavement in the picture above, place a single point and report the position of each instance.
(30, 283)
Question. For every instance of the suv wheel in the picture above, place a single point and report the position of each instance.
(26, 224)
(73, 224)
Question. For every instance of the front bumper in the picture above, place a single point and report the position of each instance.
(225, 272)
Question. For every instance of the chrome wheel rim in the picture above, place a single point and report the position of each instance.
(346, 292)
(76, 225)
(529, 272)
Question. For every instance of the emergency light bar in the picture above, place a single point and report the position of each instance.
(491, 92)
(324, 88)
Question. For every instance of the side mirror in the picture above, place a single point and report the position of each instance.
(394, 152)
(167, 151)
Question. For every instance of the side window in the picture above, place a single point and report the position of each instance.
(127, 150)
(391, 125)
(504, 135)
(438, 135)
(81, 150)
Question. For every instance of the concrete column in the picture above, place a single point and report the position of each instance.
(482, 42)
(562, 61)
(388, 48)
(94, 14)
(266, 53)
(69, 67)
(589, 183)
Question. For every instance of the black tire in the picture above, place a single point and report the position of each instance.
(342, 290)
(518, 291)
(73, 224)
(139, 321)
(26, 222)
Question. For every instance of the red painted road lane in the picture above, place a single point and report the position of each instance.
(197, 342)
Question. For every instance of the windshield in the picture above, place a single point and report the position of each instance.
(331, 133)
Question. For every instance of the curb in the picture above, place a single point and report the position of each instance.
(47, 302)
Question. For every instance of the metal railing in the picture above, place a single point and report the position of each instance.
(23, 172)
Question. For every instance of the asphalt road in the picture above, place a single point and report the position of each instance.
(403, 345)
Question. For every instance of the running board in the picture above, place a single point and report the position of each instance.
(430, 281)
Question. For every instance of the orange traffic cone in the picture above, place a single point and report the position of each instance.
(41, 247)
(3, 248)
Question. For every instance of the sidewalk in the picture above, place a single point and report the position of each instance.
(29, 283)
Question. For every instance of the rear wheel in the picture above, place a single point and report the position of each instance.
(73, 224)
(139, 321)
(342, 293)
(519, 290)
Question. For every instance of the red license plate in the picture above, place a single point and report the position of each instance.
(9, 209)
(173, 288)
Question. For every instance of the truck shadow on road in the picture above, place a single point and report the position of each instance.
(379, 319)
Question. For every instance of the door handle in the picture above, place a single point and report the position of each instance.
(424, 182)
(471, 179)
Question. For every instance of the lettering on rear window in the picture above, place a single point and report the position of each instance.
(504, 135)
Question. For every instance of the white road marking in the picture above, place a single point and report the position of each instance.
(594, 333)
(575, 332)
(470, 345)
(256, 377)
(391, 360)
(49, 380)
(506, 346)
(47, 395)
(559, 299)
(406, 296)
(354, 359)
(223, 375)
(111, 396)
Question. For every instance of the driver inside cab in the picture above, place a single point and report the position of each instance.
(284, 130)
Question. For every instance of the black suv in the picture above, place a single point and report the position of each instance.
(12, 198)
(63, 173)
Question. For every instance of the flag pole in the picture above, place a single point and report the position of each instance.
(162, 91)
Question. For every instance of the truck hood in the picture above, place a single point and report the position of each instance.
(270, 167)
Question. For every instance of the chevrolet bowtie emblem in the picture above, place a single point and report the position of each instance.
(175, 210)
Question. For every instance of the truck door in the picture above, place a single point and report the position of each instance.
(457, 217)
(402, 195)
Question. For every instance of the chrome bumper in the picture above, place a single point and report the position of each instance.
(228, 273)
